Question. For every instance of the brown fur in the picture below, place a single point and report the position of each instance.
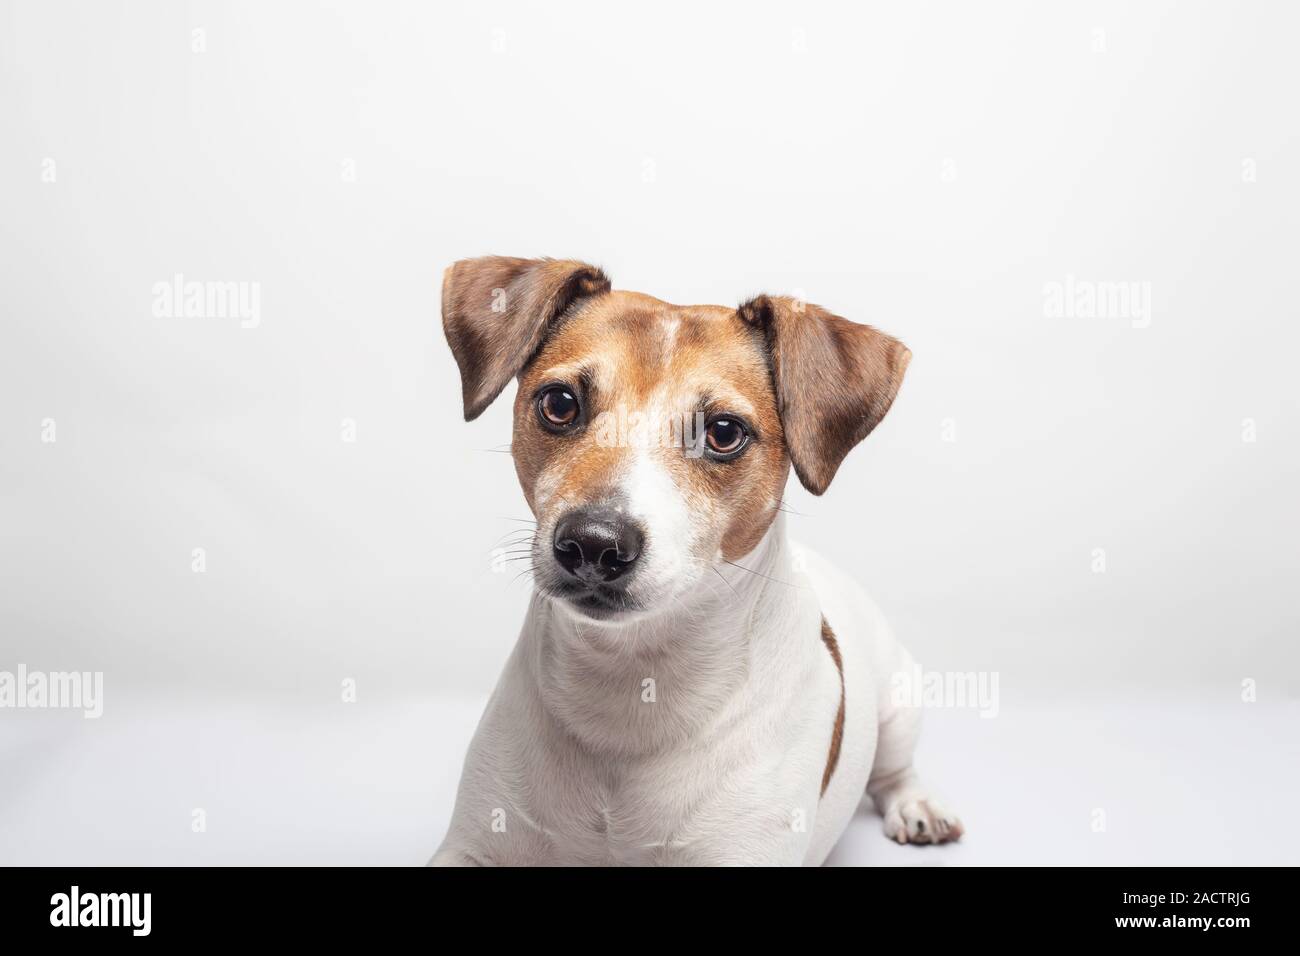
(835, 380)
(496, 310)
(837, 733)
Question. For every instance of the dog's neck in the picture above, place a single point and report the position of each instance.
(637, 686)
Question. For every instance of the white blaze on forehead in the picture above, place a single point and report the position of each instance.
(669, 328)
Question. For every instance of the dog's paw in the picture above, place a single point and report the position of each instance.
(915, 818)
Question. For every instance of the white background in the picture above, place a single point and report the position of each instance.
(929, 169)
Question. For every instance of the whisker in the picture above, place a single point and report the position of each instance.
(726, 582)
(510, 547)
(789, 584)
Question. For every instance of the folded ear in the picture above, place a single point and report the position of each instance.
(835, 379)
(496, 311)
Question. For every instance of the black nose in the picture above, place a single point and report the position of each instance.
(597, 544)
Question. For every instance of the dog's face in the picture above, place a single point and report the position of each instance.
(648, 444)
(653, 441)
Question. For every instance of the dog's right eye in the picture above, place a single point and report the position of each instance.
(558, 407)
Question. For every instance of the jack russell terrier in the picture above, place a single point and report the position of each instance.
(689, 687)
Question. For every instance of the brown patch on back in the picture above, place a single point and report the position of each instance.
(837, 734)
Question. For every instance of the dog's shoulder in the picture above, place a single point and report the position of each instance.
(859, 626)
(841, 595)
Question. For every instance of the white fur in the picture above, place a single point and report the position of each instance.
(656, 502)
(571, 764)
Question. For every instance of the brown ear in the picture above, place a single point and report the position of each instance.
(496, 310)
(835, 379)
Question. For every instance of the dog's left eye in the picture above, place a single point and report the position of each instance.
(557, 407)
(725, 437)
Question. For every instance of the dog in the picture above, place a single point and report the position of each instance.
(689, 686)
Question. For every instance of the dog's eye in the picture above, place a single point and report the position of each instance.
(557, 407)
(725, 437)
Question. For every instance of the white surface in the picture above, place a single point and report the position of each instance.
(373, 784)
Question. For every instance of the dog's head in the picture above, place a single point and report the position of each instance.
(653, 441)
